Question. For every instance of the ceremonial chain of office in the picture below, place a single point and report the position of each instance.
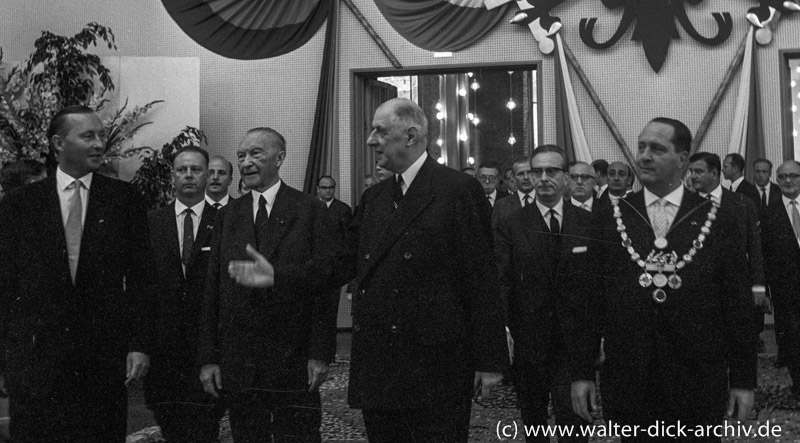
(662, 262)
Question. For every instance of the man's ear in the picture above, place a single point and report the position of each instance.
(57, 142)
(280, 158)
(413, 135)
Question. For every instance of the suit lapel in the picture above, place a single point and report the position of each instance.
(417, 198)
(95, 229)
(52, 225)
(279, 221)
(168, 226)
(637, 223)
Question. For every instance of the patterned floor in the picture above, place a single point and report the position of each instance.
(342, 424)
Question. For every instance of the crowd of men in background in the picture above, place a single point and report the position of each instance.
(546, 271)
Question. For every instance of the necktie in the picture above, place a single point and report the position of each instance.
(188, 236)
(489, 199)
(660, 222)
(262, 216)
(397, 191)
(217, 205)
(795, 219)
(763, 197)
(555, 227)
(526, 201)
(587, 207)
(74, 227)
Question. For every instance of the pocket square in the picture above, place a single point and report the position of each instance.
(579, 249)
(207, 248)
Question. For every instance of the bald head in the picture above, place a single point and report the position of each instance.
(788, 175)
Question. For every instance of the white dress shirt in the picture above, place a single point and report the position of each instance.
(180, 216)
(716, 194)
(673, 200)
(587, 205)
(223, 201)
(735, 184)
(411, 173)
(789, 208)
(63, 180)
(492, 197)
(558, 209)
(269, 196)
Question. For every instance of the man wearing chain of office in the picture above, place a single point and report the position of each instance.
(675, 311)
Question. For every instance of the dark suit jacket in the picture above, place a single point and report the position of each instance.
(341, 214)
(548, 284)
(506, 206)
(774, 195)
(426, 310)
(173, 374)
(697, 343)
(745, 212)
(45, 320)
(781, 257)
(749, 189)
(271, 332)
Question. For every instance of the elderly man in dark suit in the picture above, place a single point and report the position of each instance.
(522, 177)
(781, 235)
(267, 349)
(769, 193)
(74, 293)
(733, 170)
(546, 261)
(581, 182)
(180, 234)
(676, 308)
(427, 324)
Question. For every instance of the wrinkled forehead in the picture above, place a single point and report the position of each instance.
(789, 168)
(581, 168)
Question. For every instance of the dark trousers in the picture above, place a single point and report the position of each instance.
(188, 422)
(443, 423)
(535, 386)
(86, 404)
(258, 416)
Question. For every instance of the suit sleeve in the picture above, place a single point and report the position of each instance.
(484, 296)
(9, 284)
(140, 278)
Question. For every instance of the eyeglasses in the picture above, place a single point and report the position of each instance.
(487, 178)
(327, 188)
(791, 177)
(584, 177)
(551, 172)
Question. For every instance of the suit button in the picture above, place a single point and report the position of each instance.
(366, 256)
(393, 329)
(407, 256)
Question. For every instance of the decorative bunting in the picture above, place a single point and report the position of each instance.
(441, 25)
(249, 29)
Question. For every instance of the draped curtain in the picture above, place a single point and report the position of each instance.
(325, 135)
(441, 25)
(569, 129)
(249, 29)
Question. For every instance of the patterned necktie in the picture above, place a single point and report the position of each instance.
(763, 197)
(795, 219)
(660, 222)
(188, 236)
(397, 191)
(555, 227)
(74, 227)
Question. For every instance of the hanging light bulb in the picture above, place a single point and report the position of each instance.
(474, 85)
(471, 161)
(439, 142)
(469, 74)
(470, 116)
(794, 108)
(511, 140)
(463, 137)
(440, 115)
(440, 160)
(462, 92)
(476, 120)
(438, 106)
(511, 104)
(793, 83)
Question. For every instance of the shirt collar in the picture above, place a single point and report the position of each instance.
(559, 207)
(64, 180)
(735, 184)
(675, 197)
(197, 209)
(223, 201)
(787, 201)
(328, 204)
(269, 194)
(716, 193)
(579, 204)
(493, 195)
(521, 196)
(411, 172)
